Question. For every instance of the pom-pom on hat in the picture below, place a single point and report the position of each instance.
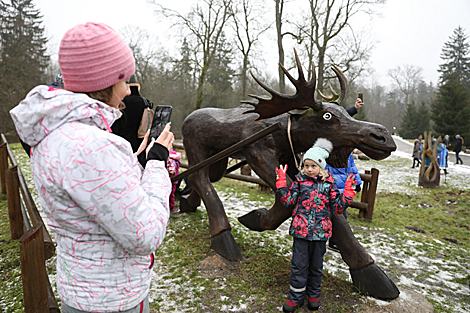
(93, 57)
(319, 152)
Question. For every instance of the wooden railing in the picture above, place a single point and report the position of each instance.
(36, 245)
(369, 185)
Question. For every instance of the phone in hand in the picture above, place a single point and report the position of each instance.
(160, 119)
(360, 95)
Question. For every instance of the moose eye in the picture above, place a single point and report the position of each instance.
(327, 116)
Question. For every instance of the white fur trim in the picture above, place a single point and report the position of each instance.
(324, 143)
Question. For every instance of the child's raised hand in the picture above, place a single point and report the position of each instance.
(281, 176)
(349, 186)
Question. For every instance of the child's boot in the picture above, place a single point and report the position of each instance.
(290, 306)
(313, 304)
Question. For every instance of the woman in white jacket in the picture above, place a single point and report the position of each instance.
(108, 215)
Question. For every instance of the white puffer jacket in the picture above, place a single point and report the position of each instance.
(108, 216)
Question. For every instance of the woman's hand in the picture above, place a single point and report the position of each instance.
(166, 138)
(143, 144)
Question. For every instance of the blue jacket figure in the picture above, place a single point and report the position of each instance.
(442, 157)
(427, 159)
(341, 174)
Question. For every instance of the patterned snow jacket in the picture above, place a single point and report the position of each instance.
(313, 199)
(108, 216)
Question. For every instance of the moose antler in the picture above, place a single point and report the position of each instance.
(281, 103)
(343, 82)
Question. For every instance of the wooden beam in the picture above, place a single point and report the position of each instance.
(225, 153)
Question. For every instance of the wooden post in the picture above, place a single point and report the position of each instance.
(3, 165)
(14, 203)
(364, 196)
(33, 271)
(371, 194)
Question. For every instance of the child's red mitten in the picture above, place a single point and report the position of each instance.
(349, 186)
(281, 176)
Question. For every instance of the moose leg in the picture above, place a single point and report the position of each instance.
(262, 219)
(365, 274)
(222, 240)
(189, 203)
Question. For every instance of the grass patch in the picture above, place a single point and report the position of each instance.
(441, 213)
(11, 286)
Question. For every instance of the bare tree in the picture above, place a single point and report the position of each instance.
(328, 37)
(280, 48)
(249, 26)
(146, 53)
(205, 23)
(407, 78)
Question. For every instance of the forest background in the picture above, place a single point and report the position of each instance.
(218, 44)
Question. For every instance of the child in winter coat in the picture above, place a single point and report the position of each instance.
(109, 216)
(314, 197)
(340, 175)
(173, 164)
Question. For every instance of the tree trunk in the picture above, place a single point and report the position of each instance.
(199, 89)
(282, 80)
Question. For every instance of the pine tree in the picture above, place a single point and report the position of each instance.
(451, 110)
(23, 57)
(415, 121)
(455, 54)
(219, 76)
(409, 126)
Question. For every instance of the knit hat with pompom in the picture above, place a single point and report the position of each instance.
(319, 152)
(93, 57)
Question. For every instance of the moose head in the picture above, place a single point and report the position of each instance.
(312, 118)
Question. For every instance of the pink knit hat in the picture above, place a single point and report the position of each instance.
(93, 57)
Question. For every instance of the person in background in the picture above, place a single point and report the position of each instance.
(341, 174)
(127, 125)
(417, 151)
(314, 198)
(445, 141)
(354, 109)
(458, 148)
(108, 215)
(173, 165)
(442, 157)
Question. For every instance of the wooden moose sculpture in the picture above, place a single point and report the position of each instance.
(302, 120)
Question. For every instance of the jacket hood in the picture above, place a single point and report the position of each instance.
(46, 109)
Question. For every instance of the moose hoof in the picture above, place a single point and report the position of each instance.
(224, 244)
(252, 220)
(185, 207)
(373, 281)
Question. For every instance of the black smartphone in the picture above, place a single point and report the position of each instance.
(360, 95)
(160, 119)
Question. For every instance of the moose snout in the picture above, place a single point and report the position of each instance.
(378, 138)
(377, 142)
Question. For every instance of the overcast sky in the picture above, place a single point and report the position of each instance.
(410, 31)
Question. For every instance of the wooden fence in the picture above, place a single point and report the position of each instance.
(36, 245)
(369, 185)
